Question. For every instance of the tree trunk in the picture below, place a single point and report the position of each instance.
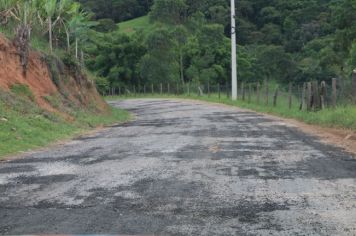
(22, 41)
(82, 58)
(68, 41)
(76, 48)
(50, 34)
(354, 86)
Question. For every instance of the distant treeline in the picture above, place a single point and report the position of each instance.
(117, 10)
(282, 40)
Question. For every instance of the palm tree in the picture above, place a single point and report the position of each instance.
(50, 9)
(6, 10)
(66, 10)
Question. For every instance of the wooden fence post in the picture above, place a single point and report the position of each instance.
(188, 89)
(227, 90)
(302, 101)
(309, 96)
(316, 96)
(168, 88)
(177, 89)
(258, 93)
(322, 94)
(290, 95)
(249, 93)
(144, 89)
(267, 91)
(152, 89)
(275, 97)
(219, 91)
(242, 91)
(334, 94)
(208, 89)
(161, 88)
(304, 97)
(119, 90)
(354, 86)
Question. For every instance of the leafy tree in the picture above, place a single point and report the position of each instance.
(180, 37)
(158, 64)
(169, 11)
(352, 60)
(117, 10)
(116, 57)
(106, 25)
(278, 40)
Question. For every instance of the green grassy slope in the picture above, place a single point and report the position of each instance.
(25, 126)
(138, 24)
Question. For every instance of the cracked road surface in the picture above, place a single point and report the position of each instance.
(183, 168)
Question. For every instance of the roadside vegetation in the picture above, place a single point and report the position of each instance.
(186, 41)
(30, 116)
(24, 125)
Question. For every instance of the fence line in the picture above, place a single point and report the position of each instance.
(309, 96)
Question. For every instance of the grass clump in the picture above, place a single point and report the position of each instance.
(22, 90)
(53, 100)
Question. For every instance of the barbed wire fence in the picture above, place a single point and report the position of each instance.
(308, 96)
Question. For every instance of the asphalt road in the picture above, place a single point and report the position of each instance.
(183, 168)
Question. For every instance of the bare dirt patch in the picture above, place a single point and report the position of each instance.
(72, 88)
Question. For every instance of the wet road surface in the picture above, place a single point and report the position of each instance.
(183, 168)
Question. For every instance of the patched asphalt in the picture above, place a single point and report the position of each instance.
(183, 168)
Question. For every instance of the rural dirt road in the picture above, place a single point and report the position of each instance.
(183, 168)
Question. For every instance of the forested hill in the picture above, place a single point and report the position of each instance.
(117, 10)
(188, 41)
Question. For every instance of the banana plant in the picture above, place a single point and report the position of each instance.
(67, 11)
(79, 25)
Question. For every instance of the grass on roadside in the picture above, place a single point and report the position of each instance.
(24, 126)
(341, 117)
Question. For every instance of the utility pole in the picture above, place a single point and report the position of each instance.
(233, 52)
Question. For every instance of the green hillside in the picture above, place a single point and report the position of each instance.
(138, 24)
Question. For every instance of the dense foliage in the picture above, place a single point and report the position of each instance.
(279, 40)
(117, 10)
(62, 22)
(189, 40)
